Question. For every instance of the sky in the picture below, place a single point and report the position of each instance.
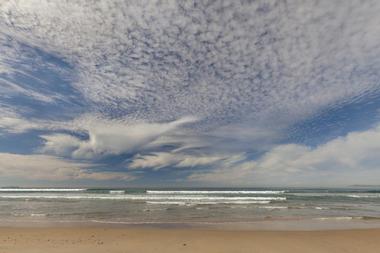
(189, 93)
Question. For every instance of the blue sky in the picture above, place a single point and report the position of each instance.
(195, 93)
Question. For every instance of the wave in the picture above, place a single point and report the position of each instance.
(116, 192)
(349, 218)
(274, 207)
(141, 197)
(180, 203)
(345, 195)
(371, 196)
(206, 202)
(321, 208)
(211, 192)
(340, 218)
(40, 190)
(38, 215)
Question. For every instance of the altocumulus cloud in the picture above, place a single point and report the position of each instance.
(213, 88)
(216, 60)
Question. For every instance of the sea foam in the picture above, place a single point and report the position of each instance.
(212, 192)
(141, 197)
(40, 190)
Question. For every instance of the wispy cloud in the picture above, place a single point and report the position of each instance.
(43, 167)
(341, 161)
(178, 160)
(29, 73)
(109, 137)
(13, 122)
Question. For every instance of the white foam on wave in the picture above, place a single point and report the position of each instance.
(338, 218)
(321, 208)
(141, 197)
(211, 192)
(38, 215)
(116, 192)
(206, 202)
(180, 203)
(349, 195)
(364, 195)
(40, 190)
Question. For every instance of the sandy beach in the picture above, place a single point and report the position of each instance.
(124, 240)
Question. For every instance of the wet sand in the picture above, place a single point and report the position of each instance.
(94, 240)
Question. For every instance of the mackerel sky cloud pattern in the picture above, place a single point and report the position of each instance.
(187, 92)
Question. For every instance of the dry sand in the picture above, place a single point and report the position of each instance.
(140, 240)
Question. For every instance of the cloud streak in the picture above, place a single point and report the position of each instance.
(165, 159)
(112, 137)
(43, 167)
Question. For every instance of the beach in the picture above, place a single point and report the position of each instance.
(285, 220)
(170, 240)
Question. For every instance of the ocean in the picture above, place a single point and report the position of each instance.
(133, 206)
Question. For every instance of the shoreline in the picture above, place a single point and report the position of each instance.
(316, 224)
(133, 239)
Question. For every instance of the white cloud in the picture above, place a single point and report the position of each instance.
(60, 144)
(345, 160)
(16, 125)
(43, 167)
(106, 136)
(4, 69)
(109, 137)
(159, 160)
